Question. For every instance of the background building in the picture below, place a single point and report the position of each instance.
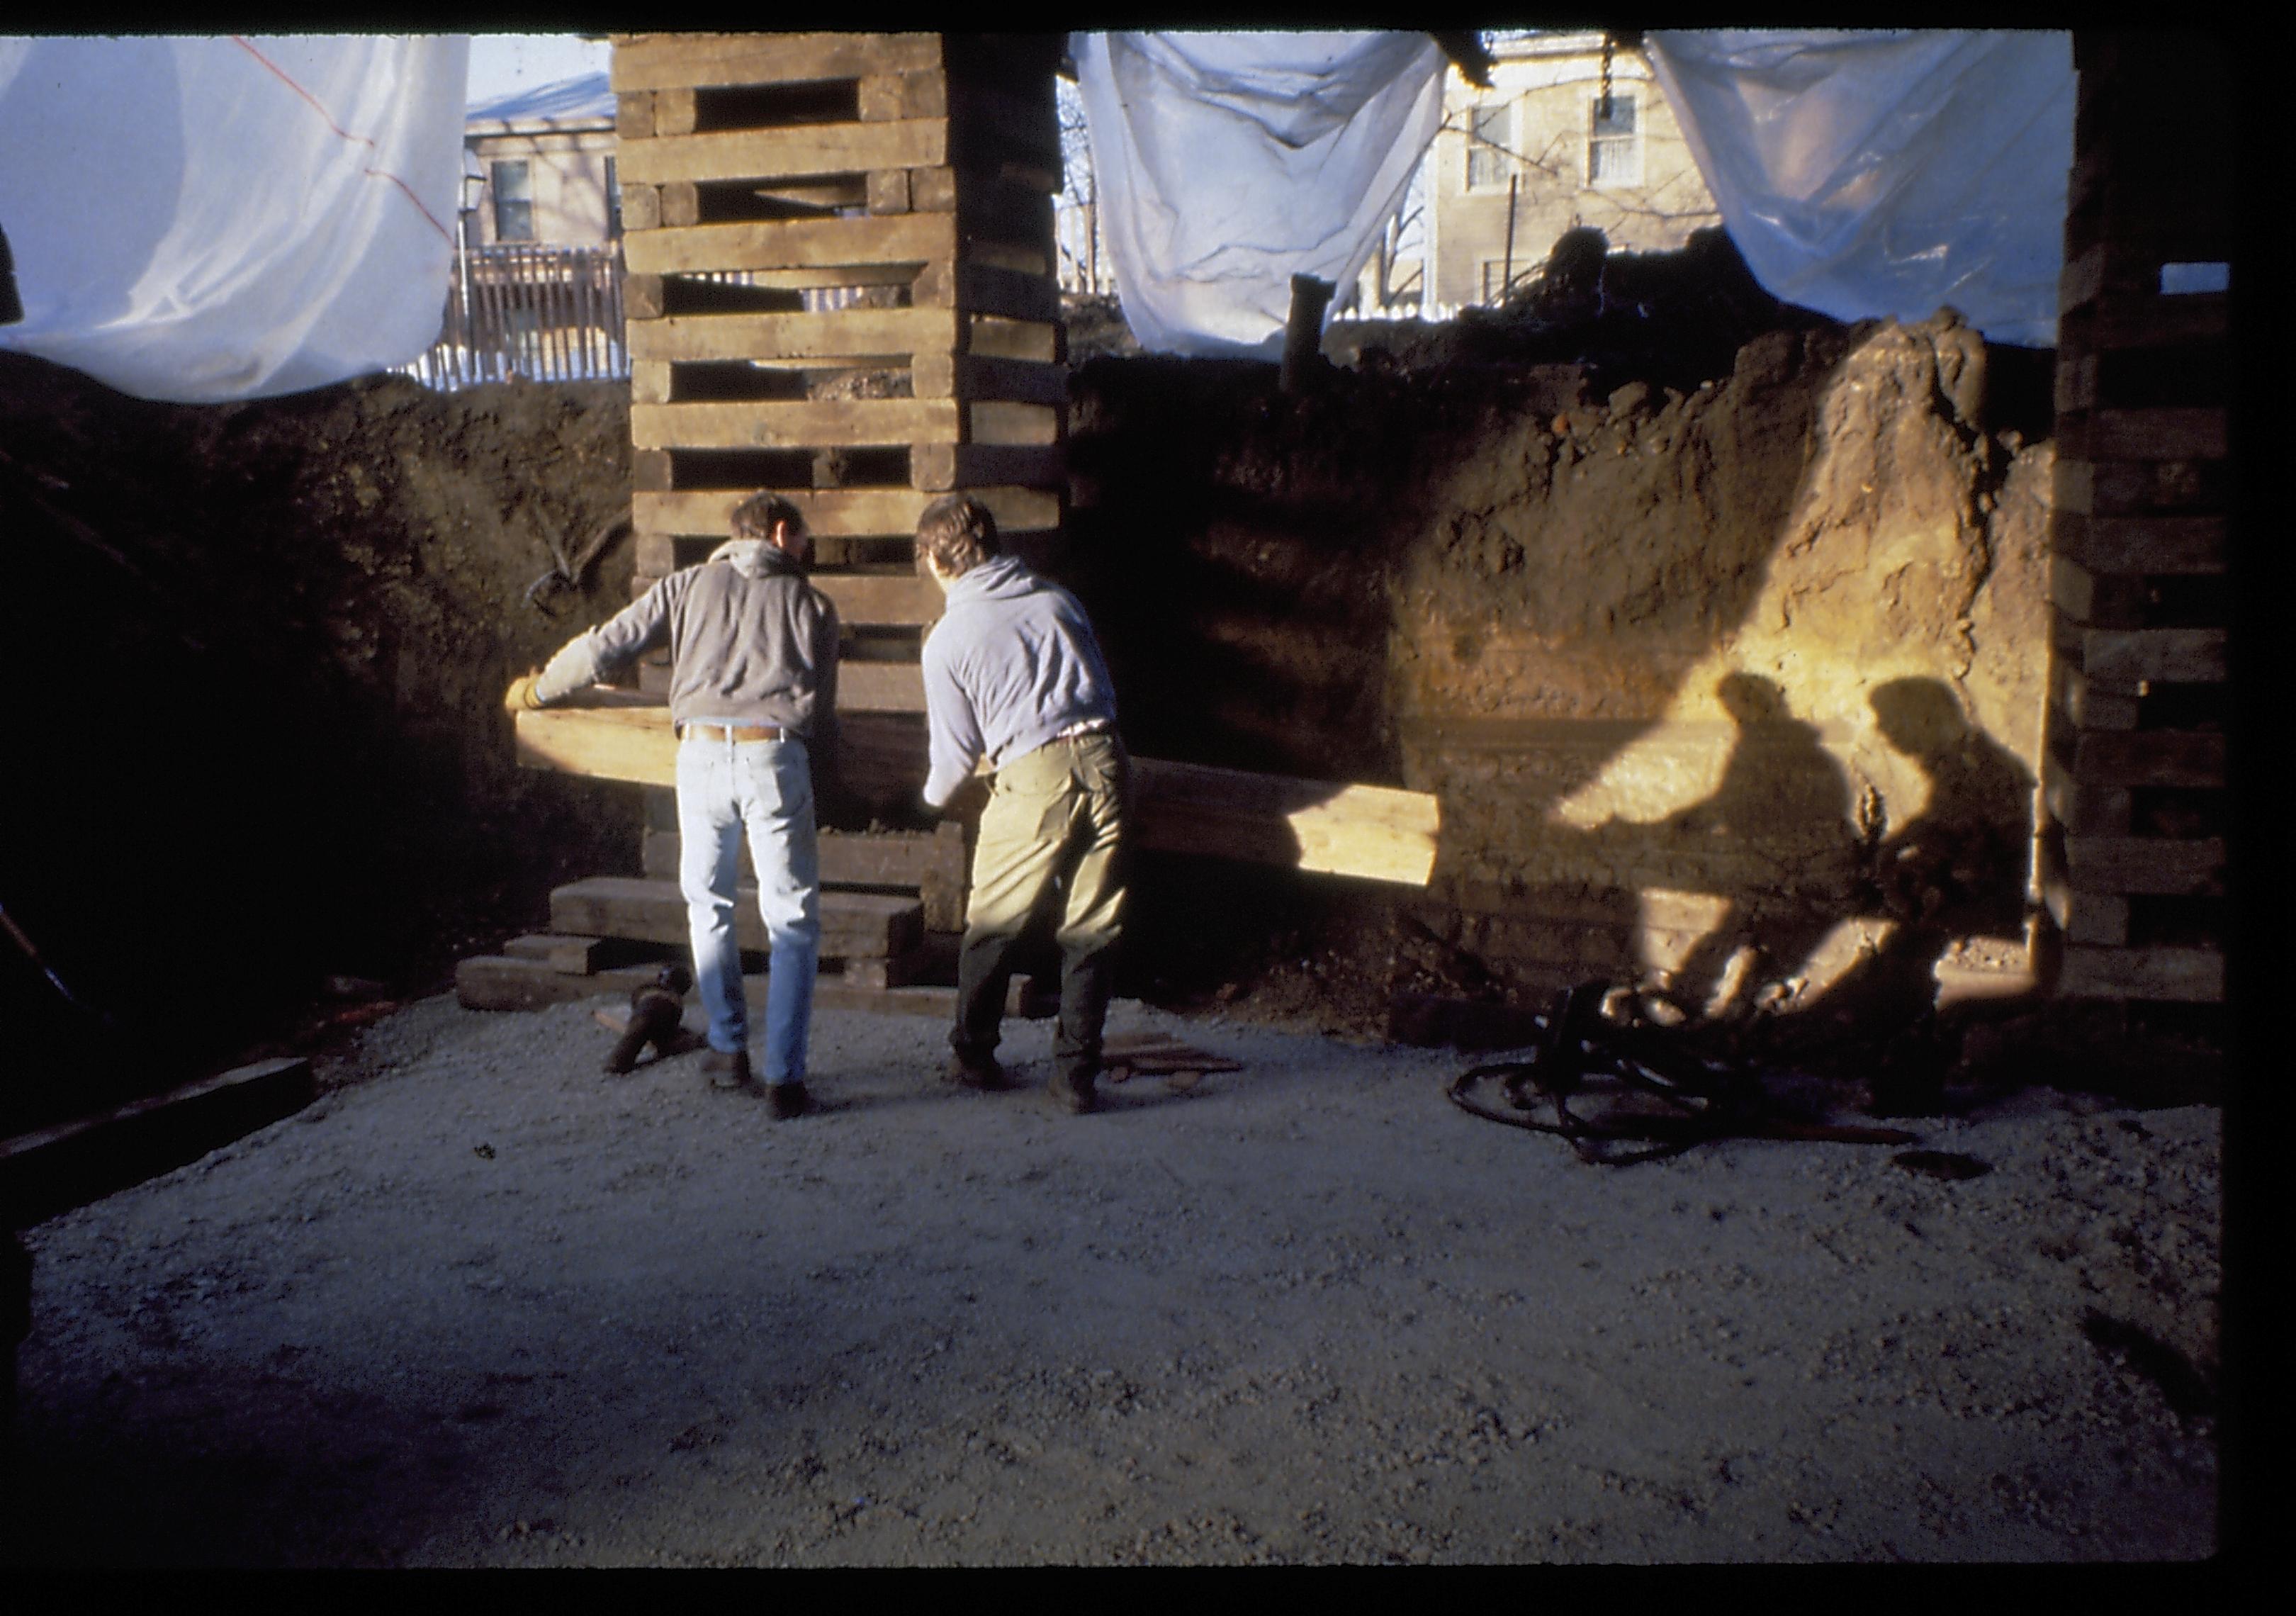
(543, 163)
(1539, 154)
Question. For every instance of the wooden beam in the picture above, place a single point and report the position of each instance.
(1375, 832)
(854, 926)
(655, 62)
(801, 151)
(880, 687)
(842, 513)
(854, 423)
(901, 600)
(852, 333)
(72, 1163)
(900, 238)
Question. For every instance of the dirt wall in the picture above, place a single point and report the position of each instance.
(1729, 684)
(257, 651)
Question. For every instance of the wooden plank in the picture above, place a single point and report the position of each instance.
(902, 600)
(887, 191)
(930, 864)
(71, 1163)
(650, 380)
(641, 208)
(650, 61)
(633, 121)
(2085, 918)
(572, 956)
(945, 375)
(2158, 322)
(880, 687)
(920, 93)
(903, 238)
(511, 982)
(995, 423)
(2171, 656)
(2162, 434)
(994, 337)
(854, 926)
(774, 425)
(851, 859)
(2157, 756)
(2087, 704)
(2148, 865)
(2156, 545)
(2174, 975)
(674, 111)
(801, 151)
(946, 466)
(840, 512)
(2083, 809)
(1377, 832)
(985, 290)
(891, 334)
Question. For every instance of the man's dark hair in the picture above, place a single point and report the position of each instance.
(958, 533)
(756, 516)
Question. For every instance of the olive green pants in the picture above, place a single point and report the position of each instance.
(1051, 845)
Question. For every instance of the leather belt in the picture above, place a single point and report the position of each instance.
(738, 732)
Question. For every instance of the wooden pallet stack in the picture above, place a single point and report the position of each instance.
(839, 252)
(2132, 858)
(841, 287)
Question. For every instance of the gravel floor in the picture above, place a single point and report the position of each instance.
(481, 1305)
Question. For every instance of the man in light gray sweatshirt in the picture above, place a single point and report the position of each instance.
(753, 693)
(1013, 675)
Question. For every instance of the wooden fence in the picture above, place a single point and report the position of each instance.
(547, 313)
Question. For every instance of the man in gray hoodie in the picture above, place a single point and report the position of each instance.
(753, 693)
(1013, 675)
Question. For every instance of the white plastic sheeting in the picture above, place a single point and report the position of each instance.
(1886, 172)
(1229, 162)
(201, 219)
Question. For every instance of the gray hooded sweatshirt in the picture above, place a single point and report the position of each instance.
(1012, 664)
(750, 642)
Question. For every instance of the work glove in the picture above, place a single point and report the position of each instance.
(520, 696)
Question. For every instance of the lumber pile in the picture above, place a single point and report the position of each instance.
(2132, 858)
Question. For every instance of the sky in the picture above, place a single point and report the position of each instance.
(503, 62)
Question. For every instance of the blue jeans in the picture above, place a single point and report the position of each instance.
(765, 788)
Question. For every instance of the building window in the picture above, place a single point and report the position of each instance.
(613, 203)
(1501, 277)
(1614, 143)
(514, 188)
(1487, 138)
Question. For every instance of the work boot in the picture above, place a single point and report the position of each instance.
(790, 1100)
(727, 1069)
(977, 1071)
(1072, 1092)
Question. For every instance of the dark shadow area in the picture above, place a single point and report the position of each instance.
(259, 743)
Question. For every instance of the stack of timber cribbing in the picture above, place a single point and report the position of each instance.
(841, 287)
(2133, 851)
(840, 256)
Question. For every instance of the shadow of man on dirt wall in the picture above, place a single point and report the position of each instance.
(1959, 869)
(1781, 789)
